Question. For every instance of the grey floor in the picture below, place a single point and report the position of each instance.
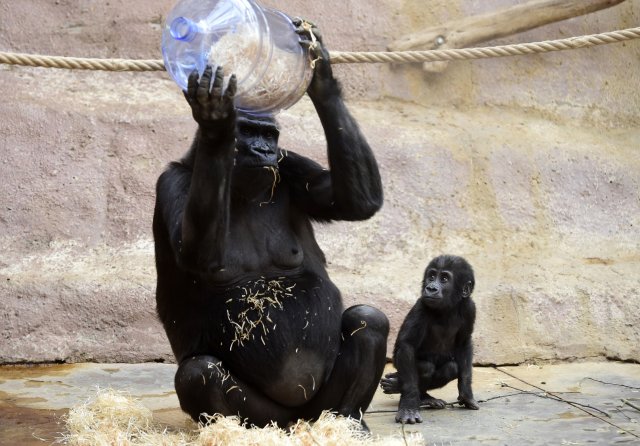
(514, 408)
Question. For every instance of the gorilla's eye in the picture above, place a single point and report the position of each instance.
(445, 279)
(245, 131)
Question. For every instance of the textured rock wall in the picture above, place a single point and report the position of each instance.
(528, 166)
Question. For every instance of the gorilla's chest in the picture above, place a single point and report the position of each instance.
(440, 338)
(260, 240)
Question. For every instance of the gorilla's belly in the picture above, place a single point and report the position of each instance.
(282, 336)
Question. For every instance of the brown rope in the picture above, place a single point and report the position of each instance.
(487, 52)
(337, 57)
(80, 63)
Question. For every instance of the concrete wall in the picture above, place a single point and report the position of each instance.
(528, 166)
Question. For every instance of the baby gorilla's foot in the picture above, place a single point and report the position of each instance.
(390, 383)
(432, 403)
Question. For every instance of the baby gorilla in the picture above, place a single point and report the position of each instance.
(434, 344)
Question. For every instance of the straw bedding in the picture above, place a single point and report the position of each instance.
(114, 418)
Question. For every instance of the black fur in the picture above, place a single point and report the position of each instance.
(434, 344)
(235, 244)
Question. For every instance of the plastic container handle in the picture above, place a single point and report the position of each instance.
(183, 29)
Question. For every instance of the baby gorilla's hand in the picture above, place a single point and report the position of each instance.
(408, 416)
(468, 402)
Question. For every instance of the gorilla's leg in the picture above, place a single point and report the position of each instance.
(359, 366)
(438, 377)
(203, 385)
(426, 371)
(429, 377)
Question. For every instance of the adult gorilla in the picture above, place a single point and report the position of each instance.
(254, 321)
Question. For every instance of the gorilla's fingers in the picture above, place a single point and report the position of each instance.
(216, 90)
(299, 21)
(205, 84)
(192, 85)
(308, 31)
(316, 32)
(231, 88)
(408, 416)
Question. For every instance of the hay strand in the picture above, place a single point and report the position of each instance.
(258, 298)
(114, 418)
(260, 89)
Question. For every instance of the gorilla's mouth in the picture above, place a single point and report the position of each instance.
(432, 294)
(253, 166)
(431, 298)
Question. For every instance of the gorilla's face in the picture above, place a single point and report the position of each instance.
(256, 142)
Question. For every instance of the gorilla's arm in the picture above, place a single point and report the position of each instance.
(193, 196)
(409, 339)
(309, 183)
(464, 359)
(353, 182)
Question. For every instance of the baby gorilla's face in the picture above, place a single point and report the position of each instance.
(447, 280)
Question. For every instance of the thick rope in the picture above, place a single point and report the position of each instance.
(80, 63)
(337, 57)
(487, 52)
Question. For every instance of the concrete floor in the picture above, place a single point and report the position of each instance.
(33, 398)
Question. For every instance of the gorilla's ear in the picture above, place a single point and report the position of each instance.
(467, 289)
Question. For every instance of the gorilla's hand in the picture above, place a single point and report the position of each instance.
(468, 402)
(323, 82)
(408, 416)
(212, 108)
(408, 410)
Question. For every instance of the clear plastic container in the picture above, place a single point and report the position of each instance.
(257, 44)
